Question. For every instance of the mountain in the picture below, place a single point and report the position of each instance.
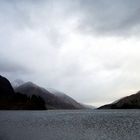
(66, 99)
(17, 83)
(5, 87)
(9, 100)
(89, 106)
(53, 99)
(129, 102)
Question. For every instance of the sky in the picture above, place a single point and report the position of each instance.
(88, 49)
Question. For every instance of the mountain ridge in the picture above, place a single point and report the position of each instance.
(128, 102)
(52, 100)
(10, 100)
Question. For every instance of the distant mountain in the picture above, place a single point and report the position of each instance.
(66, 99)
(89, 106)
(129, 102)
(9, 100)
(53, 99)
(17, 83)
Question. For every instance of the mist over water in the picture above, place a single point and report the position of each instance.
(70, 125)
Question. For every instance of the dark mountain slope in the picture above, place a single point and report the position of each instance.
(9, 100)
(5, 87)
(129, 102)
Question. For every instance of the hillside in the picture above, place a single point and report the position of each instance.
(52, 100)
(10, 100)
(129, 102)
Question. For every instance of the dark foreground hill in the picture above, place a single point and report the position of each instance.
(53, 99)
(129, 102)
(5, 87)
(10, 100)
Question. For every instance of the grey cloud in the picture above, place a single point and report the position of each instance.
(102, 17)
(110, 17)
(12, 69)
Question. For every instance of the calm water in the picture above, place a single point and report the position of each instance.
(70, 125)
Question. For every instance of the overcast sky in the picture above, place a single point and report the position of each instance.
(89, 49)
